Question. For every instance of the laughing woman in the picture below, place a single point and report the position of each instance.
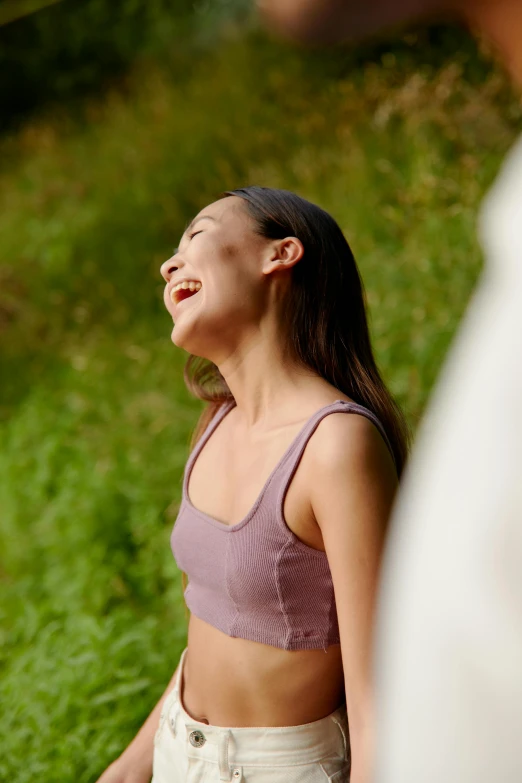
(286, 495)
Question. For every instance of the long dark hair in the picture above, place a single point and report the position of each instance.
(325, 326)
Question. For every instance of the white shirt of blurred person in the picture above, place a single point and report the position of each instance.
(448, 660)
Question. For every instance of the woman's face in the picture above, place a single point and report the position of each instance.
(222, 253)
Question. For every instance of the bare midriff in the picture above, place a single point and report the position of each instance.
(236, 682)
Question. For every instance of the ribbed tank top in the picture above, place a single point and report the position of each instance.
(256, 580)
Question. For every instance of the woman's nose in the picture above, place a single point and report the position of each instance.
(168, 268)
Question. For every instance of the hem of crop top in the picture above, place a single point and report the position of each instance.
(313, 420)
(294, 643)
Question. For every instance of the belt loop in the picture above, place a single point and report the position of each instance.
(224, 766)
(169, 698)
(172, 717)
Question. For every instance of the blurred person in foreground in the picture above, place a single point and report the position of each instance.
(448, 658)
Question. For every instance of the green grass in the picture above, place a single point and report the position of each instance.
(94, 416)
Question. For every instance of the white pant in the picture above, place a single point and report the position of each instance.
(188, 751)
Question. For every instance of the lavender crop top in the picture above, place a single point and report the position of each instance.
(255, 579)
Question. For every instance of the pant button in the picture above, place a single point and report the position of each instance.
(197, 738)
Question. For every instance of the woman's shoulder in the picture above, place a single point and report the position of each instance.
(350, 469)
(350, 440)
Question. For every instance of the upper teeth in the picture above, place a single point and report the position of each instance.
(193, 285)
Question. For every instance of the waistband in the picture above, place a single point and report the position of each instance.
(303, 744)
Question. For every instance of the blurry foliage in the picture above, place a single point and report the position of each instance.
(12, 10)
(94, 416)
(67, 49)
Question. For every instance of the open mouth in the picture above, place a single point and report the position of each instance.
(178, 295)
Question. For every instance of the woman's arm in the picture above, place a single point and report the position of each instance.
(135, 763)
(352, 492)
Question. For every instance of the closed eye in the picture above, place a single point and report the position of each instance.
(190, 236)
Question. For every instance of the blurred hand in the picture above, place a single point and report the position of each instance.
(307, 20)
(124, 771)
(329, 21)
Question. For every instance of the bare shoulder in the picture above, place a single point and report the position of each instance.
(350, 440)
(351, 472)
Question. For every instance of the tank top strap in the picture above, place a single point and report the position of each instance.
(207, 432)
(291, 459)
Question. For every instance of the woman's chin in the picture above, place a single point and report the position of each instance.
(177, 338)
(182, 340)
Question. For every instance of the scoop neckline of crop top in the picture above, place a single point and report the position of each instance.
(212, 426)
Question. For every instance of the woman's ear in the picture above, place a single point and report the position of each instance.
(283, 254)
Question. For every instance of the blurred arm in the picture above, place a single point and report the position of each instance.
(449, 634)
(330, 21)
(307, 20)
